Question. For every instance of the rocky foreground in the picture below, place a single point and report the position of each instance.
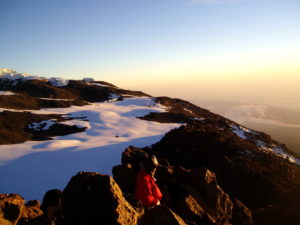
(92, 198)
(191, 196)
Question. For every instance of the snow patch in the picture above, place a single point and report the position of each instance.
(187, 110)
(240, 131)
(57, 99)
(113, 97)
(199, 119)
(63, 144)
(7, 93)
(100, 85)
(43, 125)
(277, 150)
(58, 82)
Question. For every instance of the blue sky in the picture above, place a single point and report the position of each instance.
(156, 45)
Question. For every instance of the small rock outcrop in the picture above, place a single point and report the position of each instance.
(161, 215)
(14, 211)
(92, 198)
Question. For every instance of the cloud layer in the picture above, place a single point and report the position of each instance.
(262, 114)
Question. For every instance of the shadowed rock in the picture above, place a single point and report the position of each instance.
(125, 177)
(241, 215)
(194, 194)
(161, 215)
(92, 198)
(133, 156)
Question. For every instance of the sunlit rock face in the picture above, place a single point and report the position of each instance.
(13, 211)
(92, 198)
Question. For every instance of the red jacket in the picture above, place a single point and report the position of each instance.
(146, 189)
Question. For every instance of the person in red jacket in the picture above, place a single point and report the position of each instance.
(147, 191)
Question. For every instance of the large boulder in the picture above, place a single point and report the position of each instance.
(213, 205)
(93, 199)
(125, 176)
(161, 215)
(133, 155)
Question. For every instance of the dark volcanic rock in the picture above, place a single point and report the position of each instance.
(241, 215)
(133, 156)
(14, 127)
(18, 102)
(77, 92)
(167, 117)
(186, 108)
(125, 177)
(193, 194)
(92, 198)
(55, 130)
(161, 215)
(180, 111)
(52, 207)
(190, 208)
(285, 211)
(25, 101)
(257, 179)
(202, 185)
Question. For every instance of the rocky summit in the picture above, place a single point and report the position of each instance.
(212, 171)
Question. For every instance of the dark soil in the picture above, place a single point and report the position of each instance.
(14, 127)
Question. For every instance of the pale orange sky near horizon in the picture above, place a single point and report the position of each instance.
(245, 77)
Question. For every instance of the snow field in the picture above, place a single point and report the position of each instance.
(32, 168)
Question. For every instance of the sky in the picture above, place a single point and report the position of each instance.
(226, 50)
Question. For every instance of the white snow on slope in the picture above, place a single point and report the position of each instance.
(32, 168)
(57, 99)
(58, 82)
(240, 131)
(113, 97)
(278, 151)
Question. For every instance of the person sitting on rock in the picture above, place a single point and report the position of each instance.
(147, 191)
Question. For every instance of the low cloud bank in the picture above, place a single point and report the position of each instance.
(263, 114)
